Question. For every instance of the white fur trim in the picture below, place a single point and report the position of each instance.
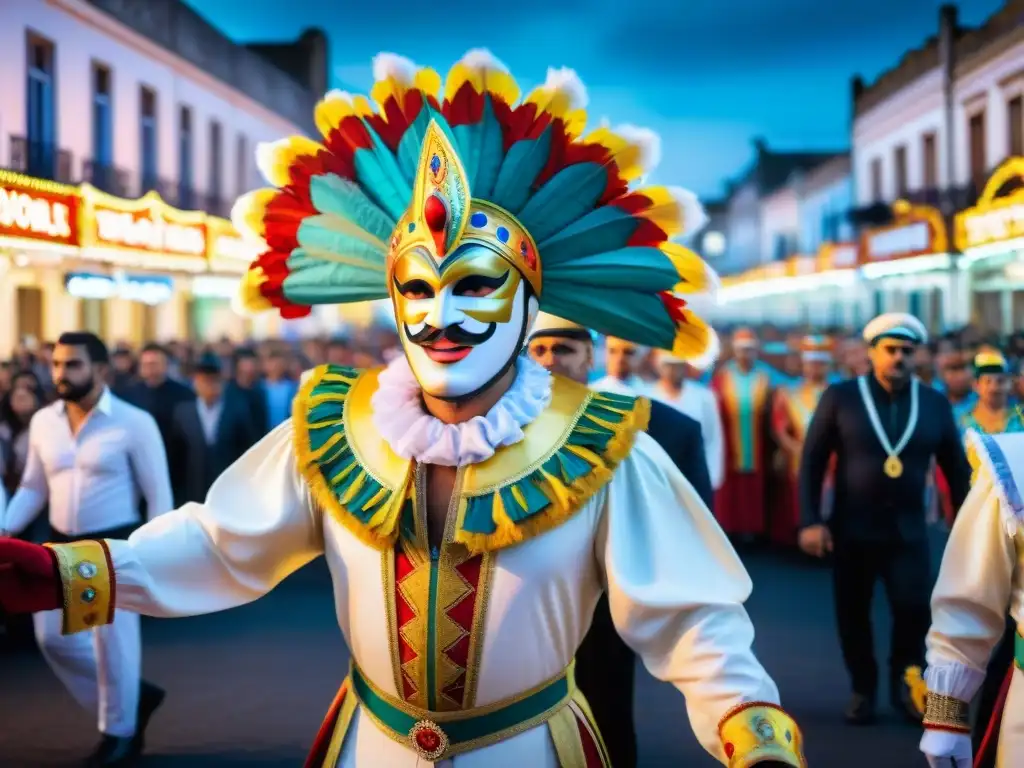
(391, 65)
(646, 140)
(481, 58)
(694, 216)
(565, 80)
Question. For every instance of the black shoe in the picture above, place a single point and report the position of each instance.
(150, 698)
(860, 710)
(114, 752)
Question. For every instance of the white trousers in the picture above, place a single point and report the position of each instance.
(101, 668)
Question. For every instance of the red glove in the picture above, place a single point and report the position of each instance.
(29, 577)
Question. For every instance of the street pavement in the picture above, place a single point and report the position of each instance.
(248, 688)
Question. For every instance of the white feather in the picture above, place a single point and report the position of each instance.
(565, 80)
(710, 356)
(481, 58)
(238, 219)
(338, 95)
(694, 216)
(646, 140)
(266, 154)
(391, 65)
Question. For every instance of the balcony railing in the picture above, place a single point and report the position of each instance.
(109, 178)
(44, 160)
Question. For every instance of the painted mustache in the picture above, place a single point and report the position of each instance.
(454, 334)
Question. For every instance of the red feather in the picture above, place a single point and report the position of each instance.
(465, 107)
(675, 306)
(647, 233)
(632, 202)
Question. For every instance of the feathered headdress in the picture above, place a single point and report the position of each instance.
(438, 167)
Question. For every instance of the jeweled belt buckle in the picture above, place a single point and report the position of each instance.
(429, 741)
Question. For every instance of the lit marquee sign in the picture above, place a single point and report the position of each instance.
(31, 209)
(146, 289)
(995, 218)
(916, 231)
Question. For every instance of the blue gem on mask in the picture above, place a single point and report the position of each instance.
(502, 234)
(412, 226)
(435, 164)
(478, 220)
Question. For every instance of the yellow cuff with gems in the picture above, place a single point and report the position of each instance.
(757, 732)
(87, 579)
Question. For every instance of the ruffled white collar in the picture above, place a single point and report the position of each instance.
(412, 433)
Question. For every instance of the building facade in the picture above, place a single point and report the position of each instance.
(153, 116)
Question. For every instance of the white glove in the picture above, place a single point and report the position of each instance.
(945, 749)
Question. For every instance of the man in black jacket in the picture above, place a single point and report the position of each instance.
(605, 665)
(884, 428)
(210, 432)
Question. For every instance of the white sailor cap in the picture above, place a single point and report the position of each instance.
(896, 325)
(552, 326)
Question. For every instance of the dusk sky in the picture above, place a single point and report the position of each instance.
(708, 75)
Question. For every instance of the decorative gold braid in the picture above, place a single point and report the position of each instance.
(945, 713)
(87, 581)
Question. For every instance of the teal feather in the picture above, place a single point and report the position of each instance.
(603, 229)
(411, 144)
(636, 269)
(481, 147)
(380, 176)
(315, 281)
(637, 316)
(519, 170)
(317, 234)
(564, 198)
(334, 195)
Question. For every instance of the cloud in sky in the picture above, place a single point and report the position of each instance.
(708, 75)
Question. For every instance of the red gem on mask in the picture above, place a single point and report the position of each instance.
(435, 213)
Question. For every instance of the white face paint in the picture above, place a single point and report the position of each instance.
(479, 304)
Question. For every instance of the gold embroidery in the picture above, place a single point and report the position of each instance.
(476, 635)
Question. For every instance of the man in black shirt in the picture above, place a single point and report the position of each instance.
(884, 429)
(605, 665)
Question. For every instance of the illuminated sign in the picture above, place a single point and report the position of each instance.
(147, 289)
(147, 224)
(32, 209)
(995, 218)
(228, 251)
(837, 256)
(917, 230)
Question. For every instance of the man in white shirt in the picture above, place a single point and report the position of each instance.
(91, 456)
(621, 361)
(677, 386)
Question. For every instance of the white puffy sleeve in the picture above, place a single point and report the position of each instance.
(972, 595)
(676, 589)
(256, 527)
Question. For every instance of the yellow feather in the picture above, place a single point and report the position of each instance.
(693, 337)
(249, 210)
(428, 81)
(383, 90)
(694, 275)
(665, 210)
(628, 156)
(331, 110)
(275, 159)
(483, 79)
(249, 299)
(362, 106)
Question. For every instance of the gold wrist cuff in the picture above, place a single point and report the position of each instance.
(758, 731)
(944, 713)
(87, 578)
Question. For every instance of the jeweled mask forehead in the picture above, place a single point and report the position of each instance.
(443, 218)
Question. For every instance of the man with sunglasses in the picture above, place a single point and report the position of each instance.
(884, 428)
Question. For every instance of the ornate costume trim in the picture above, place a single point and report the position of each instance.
(566, 455)
(538, 484)
(87, 581)
(745, 396)
(441, 735)
(757, 731)
(985, 451)
(350, 474)
(412, 605)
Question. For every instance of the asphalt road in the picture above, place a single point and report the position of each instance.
(248, 688)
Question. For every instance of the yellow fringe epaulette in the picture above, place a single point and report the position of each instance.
(362, 484)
